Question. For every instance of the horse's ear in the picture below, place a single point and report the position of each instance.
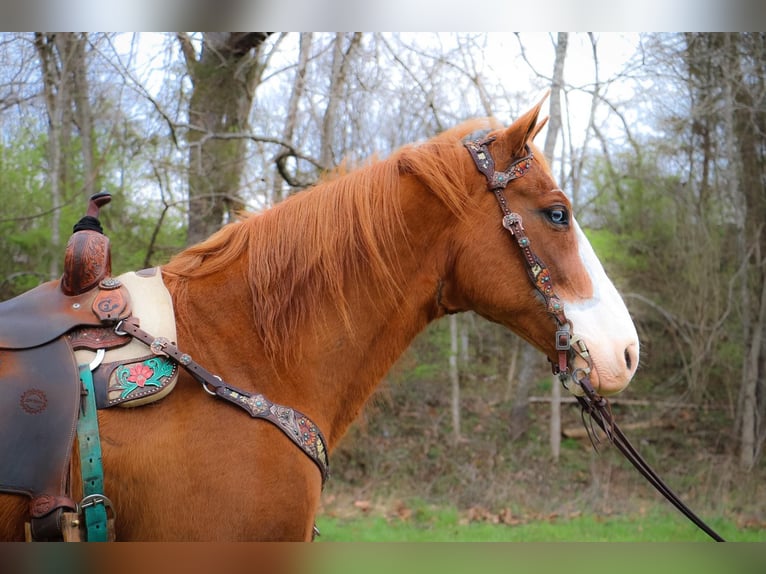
(540, 125)
(525, 129)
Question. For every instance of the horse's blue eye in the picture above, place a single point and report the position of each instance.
(558, 216)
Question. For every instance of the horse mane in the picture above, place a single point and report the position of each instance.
(309, 245)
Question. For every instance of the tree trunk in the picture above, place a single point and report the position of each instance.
(55, 88)
(83, 114)
(454, 375)
(749, 443)
(528, 358)
(554, 126)
(554, 123)
(340, 61)
(224, 78)
(65, 86)
(299, 87)
(749, 121)
(555, 426)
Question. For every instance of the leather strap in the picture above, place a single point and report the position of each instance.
(598, 408)
(536, 269)
(591, 402)
(94, 503)
(294, 424)
(46, 514)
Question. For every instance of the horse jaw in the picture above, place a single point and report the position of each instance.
(604, 323)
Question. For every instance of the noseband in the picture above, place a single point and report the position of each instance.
(567, 344)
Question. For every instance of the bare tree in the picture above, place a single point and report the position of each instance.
(296, 94)
(454, 375)
(224, 77)
(557, 85)
(64, 71)
(743, 70)
(554, 126)
(340, 64)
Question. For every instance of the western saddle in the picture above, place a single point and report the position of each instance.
(74, 345)
(40, 332)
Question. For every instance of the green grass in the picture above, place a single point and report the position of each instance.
(445, 525)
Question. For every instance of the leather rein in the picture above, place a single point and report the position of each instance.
(567, 344)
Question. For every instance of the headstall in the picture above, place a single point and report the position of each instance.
(567, 344)
(536, 269)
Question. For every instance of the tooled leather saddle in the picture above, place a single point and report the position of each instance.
(45, 334)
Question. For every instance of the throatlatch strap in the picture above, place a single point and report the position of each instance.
(90, 462)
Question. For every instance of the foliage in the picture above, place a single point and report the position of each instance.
(25, 228)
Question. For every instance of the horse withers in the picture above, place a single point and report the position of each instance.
(311, 302)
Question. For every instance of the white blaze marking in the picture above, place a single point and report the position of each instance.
(604, 322)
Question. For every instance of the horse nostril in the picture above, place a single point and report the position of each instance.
(629, 357)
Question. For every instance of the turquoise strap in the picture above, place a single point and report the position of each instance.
(94, 501)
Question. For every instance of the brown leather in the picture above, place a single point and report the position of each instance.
(45, 312)
(46, 503)
(87, 260)
(46, 528)
(39, 403)
(112, 301)
(40, 389)
(94, 338)
(298, 427)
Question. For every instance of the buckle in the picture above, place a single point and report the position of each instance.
(94, 499)
(563, 339)
(510, 220)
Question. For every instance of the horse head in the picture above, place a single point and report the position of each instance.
(491, 274)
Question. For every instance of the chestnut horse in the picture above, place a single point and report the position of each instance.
(312, 301)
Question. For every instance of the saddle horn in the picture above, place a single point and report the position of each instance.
(90, 219)
(88, 257)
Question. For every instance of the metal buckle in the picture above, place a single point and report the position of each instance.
(583, 350)
(510, 220)
(158, 345)
(563, 339)
(118, 328)
(93, 500)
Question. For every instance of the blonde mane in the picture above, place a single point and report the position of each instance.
(308, 246)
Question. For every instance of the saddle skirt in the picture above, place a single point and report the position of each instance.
(131, 375)
(44, 336)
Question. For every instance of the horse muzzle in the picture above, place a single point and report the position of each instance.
(610, 364)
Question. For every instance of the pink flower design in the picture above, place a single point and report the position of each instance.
(139, 374)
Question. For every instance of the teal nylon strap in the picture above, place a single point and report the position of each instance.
(90, 460)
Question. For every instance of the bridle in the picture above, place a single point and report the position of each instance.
(567, 344)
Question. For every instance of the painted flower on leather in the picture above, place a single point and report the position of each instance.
(141, 378)
(139, 374)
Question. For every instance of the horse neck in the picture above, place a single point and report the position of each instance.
(334, 357)
(340, 367)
